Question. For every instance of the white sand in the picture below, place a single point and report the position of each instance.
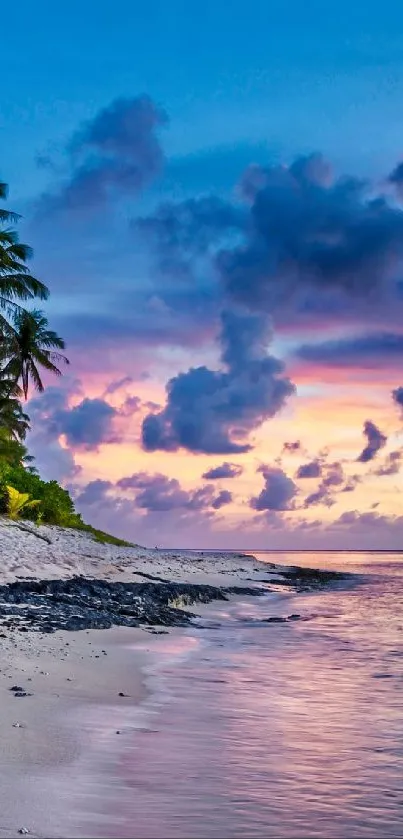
(44, 735)
(49, 552)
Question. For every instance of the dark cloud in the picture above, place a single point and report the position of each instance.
(183, 237)
(292, 448)
(396, 178)
(86, 425)
(115, 154)
(370, 351)
(334, 475)
(397, 396)
(313, 231)
(392, 464)
(160, 493)
(301, 232)
(320, 496)
(351, 483)
(333, 481)
(93, 493)
(214, 411)
(375, 441)
(309, 470)
(278, 493)
(224, 497)
(226, 470)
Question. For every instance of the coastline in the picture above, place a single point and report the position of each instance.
(59, 737)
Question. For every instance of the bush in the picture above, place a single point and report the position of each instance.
(56, 505)
(18, 502)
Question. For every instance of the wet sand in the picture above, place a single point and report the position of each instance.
(48, 738)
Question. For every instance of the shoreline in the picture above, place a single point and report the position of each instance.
(69, 690)
(51, 739)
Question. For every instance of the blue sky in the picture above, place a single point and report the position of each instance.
(296, 76)
(170, 284)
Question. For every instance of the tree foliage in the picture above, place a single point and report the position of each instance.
(27, 346)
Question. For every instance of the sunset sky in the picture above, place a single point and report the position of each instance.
(215, 199)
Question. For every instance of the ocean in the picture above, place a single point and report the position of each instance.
(276, 730)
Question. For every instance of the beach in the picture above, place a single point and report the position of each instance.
(269, 715)
(57, 686)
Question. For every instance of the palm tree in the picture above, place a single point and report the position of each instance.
(14, 423)
(16, 280)
(31, 346)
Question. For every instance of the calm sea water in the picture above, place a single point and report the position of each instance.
(281, 730)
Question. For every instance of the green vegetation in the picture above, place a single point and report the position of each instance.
(55, 503)
(18, 502)
(106, 538)
(27, 346)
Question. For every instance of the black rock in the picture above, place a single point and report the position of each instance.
(85, 603)
(274, 620)
(16, 688)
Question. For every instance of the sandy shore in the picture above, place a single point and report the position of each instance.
(55, 738)
(28, 551)
(50, 739)
(66, 695)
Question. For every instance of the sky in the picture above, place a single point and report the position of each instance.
(214, 199)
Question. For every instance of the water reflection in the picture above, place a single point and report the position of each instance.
(282, 730)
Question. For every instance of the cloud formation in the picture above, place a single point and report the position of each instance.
(375, 441)
(86, 425)
(115, 154)
(214, 411)
(333, 480)
(292, 448)
(391, 465)
(396, 178)
(309, 470)
(278, 493)
(226, 470)
(397, 396)
(223, 498)
(311, 230)
(160, 493)
(184, 237)
(370, 351)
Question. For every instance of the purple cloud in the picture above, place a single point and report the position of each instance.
(309, 470)
(278, 492)
(160, 493)
(183, 237)
(226, 470)
(375, 441)
(115, 154)
(215, 411)
(333, 481)
(370, 351)
(94, 493)
(392, 464)
(86, 425)
(292, 448)
(309, 230)
(397, 396)
(224, 497)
